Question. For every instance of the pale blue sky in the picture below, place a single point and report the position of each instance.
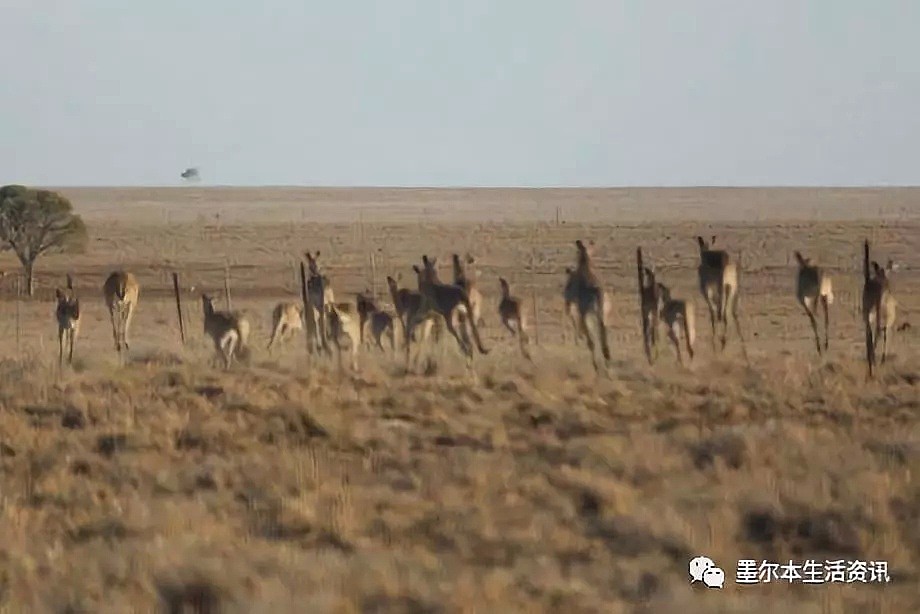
(471, 92)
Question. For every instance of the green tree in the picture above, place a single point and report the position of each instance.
(34, 222)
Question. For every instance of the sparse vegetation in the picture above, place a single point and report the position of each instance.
(169, 483)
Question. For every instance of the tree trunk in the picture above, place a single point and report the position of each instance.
(30, 280)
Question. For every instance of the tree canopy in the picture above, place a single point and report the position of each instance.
(33, 222)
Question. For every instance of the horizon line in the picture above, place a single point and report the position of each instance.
(486, 187)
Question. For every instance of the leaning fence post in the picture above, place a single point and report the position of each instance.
(175, 279)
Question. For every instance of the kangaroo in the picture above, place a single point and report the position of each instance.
(570, 307)
(343, 331)
(366, 306)
(286, 318)
(407, 303)
(67, 315)
(813, 286)
(381, 322)
(468, 283)
(121, 292)
(511, 312)
(319, 294)
(589, 298)
(446, 301)
(228, 329)
(650, 300)
(679, 318)
(879, 307)
(718, 277)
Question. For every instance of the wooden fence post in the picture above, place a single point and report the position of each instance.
(175, 279)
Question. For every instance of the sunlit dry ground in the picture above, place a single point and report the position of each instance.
(521, 487)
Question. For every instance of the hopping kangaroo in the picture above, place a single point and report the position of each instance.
(718, 277)
(879, 307)
(381, 322)
(468, 283)
(320, 294)
(679, 318)
(570, 307)
(121, 292)
(650, 303)
(407, 303)
(448, 301)
(67, 315)
(343, 330)
(228, 329)
(584, 291)
(511, 312)
(286, 318)
(813, 286)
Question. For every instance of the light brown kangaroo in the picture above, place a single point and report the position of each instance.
(512, 314)
(650, 303)
(343, 331)
(466, 281)
(121, 292)
(679, 318)
(589, 298)
(286, 318)
(319, 294)
(718, 277)
(570, 307)
(879, 307)
(446, 301)
(813, 285)
(229, 330)
(407, 303)
(67, 315)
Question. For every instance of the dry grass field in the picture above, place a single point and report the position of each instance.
(166, 484)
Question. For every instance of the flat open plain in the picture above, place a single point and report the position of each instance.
(523, 487)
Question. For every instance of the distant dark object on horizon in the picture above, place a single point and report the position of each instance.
(190, 173)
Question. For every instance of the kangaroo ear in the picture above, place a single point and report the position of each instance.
(469, 258)
(415, 268)
(701, 241)
(58, 294)
(317, 254)
(713, 240)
